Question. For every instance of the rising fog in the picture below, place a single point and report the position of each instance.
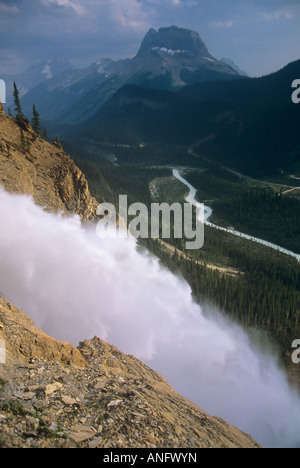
(75, 286)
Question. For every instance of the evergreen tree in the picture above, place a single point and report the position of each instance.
(18, 108)
(23, 141)
(28, 144)
(36, 121)
(58, 143)
(45, 135)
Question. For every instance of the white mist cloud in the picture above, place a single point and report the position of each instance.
(223, 24)
(277, 15)
(77, 7)
(8, 9)
(47, 72)
(75, 286)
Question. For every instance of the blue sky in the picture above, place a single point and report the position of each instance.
(261, 36)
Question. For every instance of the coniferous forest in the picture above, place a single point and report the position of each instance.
(254, 285)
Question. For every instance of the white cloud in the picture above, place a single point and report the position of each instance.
(129, 14)
(47, 72)
(8, 9)
(223, 24)
(277, 15)
(86, 30)
(73, 4)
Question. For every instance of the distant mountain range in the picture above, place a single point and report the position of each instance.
(172, 92)
(234, 66)
(248, 124)
(169, 59)
(35, 75)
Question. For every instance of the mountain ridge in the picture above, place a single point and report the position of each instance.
(42, 170)
(168, 59)
(229, 122)
(35, 75)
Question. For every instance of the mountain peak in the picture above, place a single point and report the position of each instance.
(175, 41)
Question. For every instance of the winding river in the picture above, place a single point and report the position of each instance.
(208, 212)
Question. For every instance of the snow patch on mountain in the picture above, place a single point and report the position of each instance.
(170, 51)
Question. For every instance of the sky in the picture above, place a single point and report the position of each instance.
(261, 36)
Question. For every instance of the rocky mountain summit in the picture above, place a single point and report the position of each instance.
(175, 57)
(174, 40)
(94, 396)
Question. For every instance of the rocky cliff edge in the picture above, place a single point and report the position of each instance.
(94, 396)
(33, 166)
